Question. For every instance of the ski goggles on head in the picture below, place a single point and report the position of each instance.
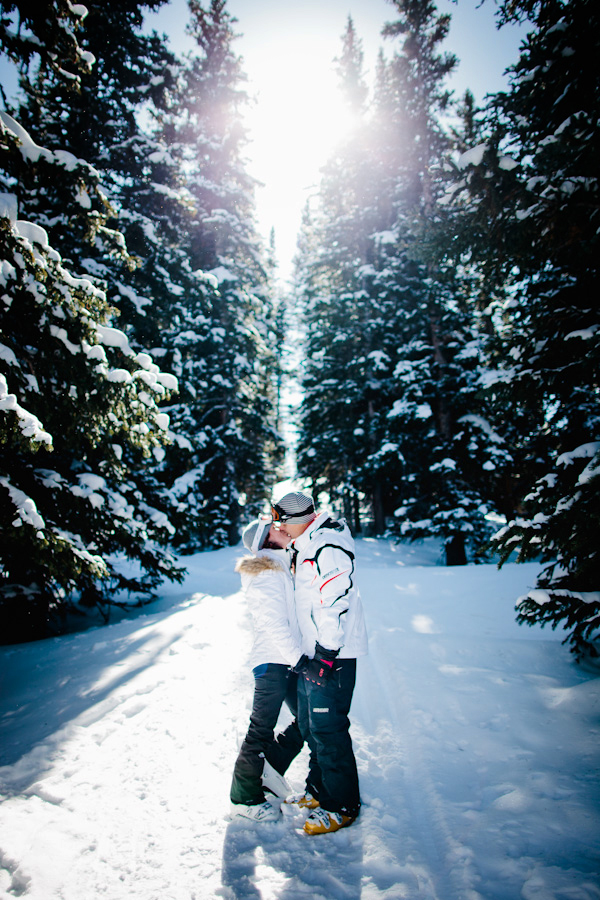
(262, 533)
(280, 515)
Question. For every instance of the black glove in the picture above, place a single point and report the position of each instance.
(320, 669)
(301, 665)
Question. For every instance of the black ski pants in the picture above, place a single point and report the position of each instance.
(273, 684)
(323, 720)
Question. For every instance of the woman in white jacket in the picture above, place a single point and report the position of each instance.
(268, 587)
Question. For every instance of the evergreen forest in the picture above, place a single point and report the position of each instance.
(444, 308)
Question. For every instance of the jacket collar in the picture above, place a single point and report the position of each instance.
(302, 541)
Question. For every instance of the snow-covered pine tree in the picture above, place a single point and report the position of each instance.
(535, 213)
(168, 305)
(484, 450)
(102, 122)
(350, 70)
(552, 113)
(73, 385)
(33, 34)
(434, 486)
(225, 358)
(73, 396)
(390, 325)
(494, 446)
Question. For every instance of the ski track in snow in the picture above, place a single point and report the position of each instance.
(476, 742)
(416, 794)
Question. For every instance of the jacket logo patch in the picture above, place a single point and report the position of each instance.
(321, 709)
(331, 576)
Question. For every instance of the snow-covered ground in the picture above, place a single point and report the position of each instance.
(476, 741)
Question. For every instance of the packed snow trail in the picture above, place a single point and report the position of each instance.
(476, 742)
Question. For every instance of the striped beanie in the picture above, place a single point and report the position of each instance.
(295, 507)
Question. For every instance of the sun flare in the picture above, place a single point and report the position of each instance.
(295, 121)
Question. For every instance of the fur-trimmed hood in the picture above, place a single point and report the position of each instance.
(256, 565)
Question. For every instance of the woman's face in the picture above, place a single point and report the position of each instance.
(278, 537)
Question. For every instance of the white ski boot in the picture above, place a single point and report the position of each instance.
(256, 812)
(274, 782)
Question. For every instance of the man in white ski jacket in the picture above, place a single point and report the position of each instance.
(330, 616)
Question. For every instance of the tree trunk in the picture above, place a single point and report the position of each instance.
(357, 522)
(456, 554)
(378, 514)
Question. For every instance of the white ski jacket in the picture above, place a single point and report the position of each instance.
(328, 602)
(269, 589)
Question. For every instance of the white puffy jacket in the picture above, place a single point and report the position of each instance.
(269, 589)
(328, 602)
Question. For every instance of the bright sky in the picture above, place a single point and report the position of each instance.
(288, 49)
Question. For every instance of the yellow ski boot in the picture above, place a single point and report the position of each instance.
(320, 821)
